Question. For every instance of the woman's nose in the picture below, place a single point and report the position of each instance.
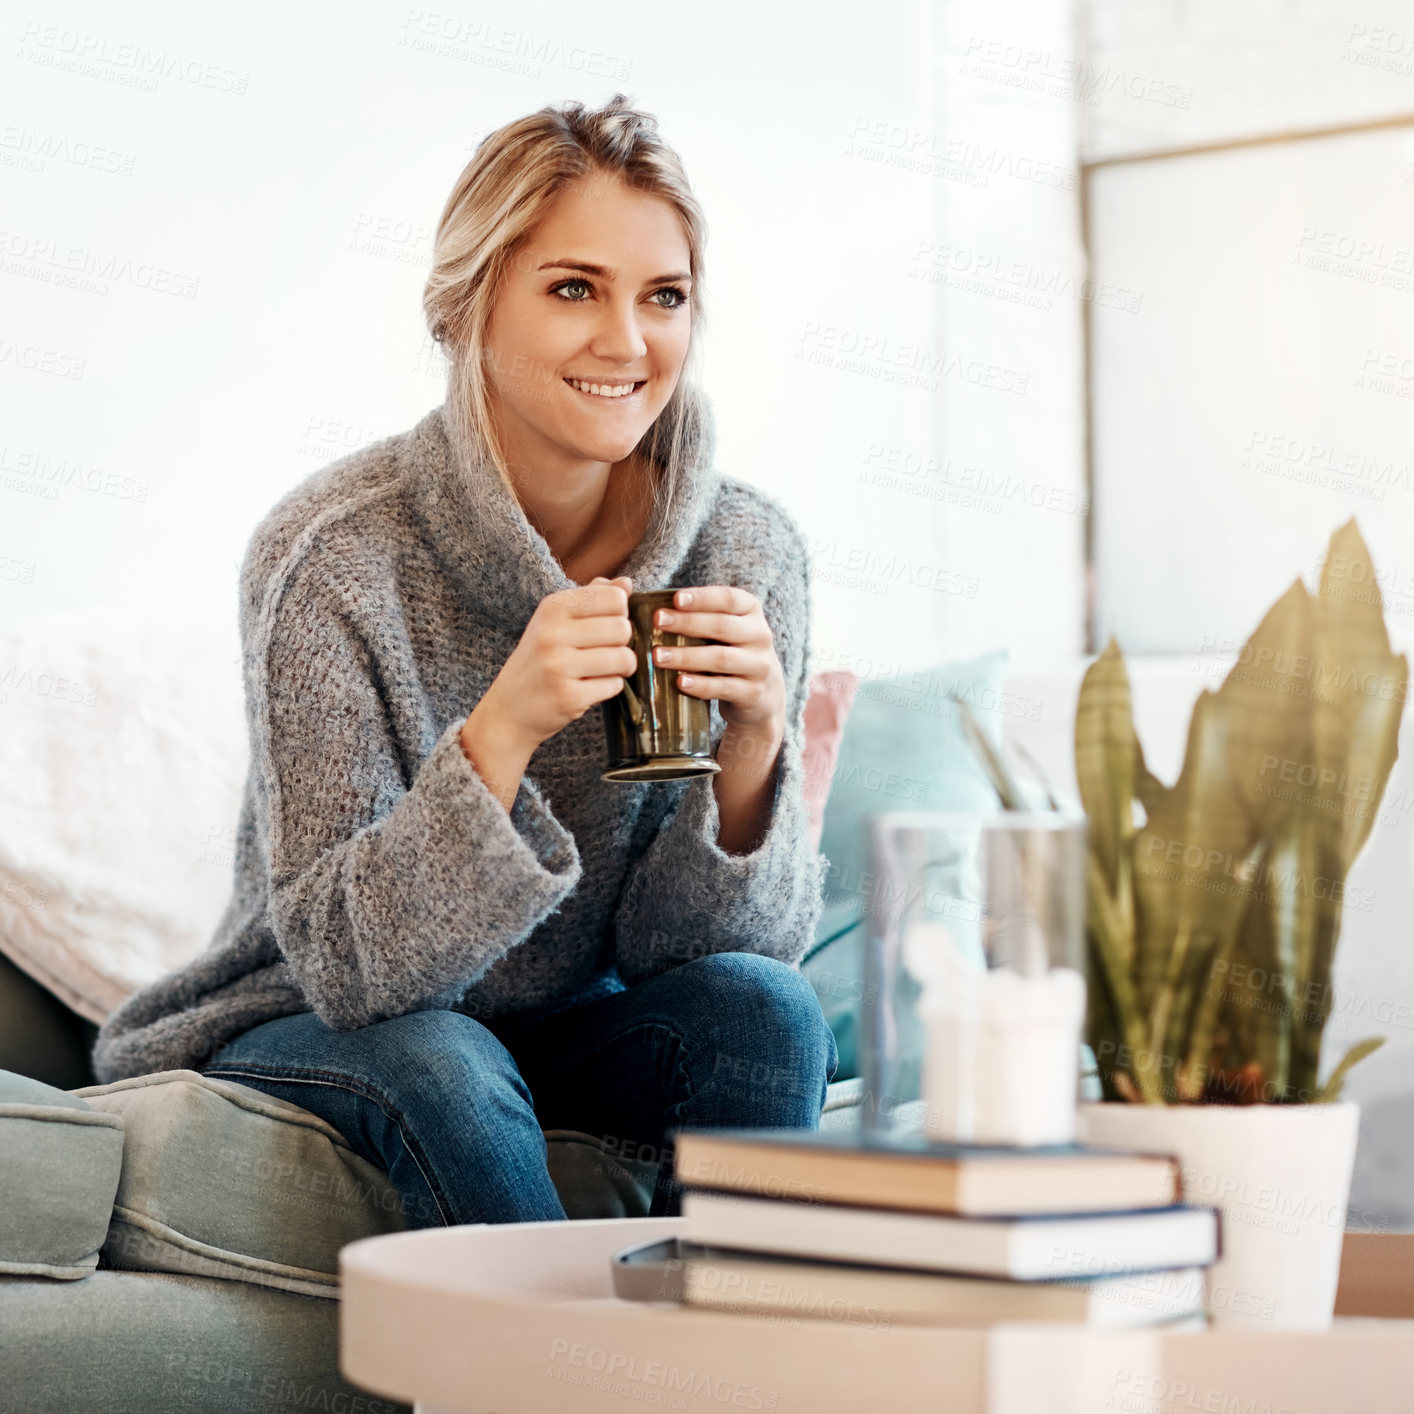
(618, 336)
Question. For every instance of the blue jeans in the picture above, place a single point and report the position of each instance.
(452, 1108)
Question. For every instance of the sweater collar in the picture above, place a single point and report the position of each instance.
(489, 546)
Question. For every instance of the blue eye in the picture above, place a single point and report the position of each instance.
(564, 284)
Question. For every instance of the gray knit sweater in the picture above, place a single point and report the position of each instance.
(375, 873)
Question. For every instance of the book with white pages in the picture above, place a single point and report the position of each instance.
(1049, 1247)
(913, 1171)
(726, 1279)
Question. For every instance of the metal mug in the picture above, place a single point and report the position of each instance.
(655, 731)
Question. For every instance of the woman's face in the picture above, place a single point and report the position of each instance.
(622, 326)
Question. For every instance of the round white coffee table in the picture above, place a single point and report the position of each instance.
(519, 1318)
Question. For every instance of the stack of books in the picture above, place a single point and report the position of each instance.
(876, 1230)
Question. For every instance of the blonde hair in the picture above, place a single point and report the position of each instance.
(503, 193)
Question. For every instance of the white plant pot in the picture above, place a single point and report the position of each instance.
(1279, 1174)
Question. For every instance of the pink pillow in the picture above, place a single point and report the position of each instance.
(827, 704)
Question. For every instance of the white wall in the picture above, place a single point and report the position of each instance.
(214, 241)
(1263, 395)
(980, 437)
(281, 181)
(1012, 287)
(1174, 73)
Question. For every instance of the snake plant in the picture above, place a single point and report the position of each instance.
(1214, 904)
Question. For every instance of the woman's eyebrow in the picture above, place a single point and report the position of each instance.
(601, 270)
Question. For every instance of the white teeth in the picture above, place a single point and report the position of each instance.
(603, 390)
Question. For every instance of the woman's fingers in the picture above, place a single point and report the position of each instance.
(712, 658)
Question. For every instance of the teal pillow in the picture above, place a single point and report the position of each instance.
(903, 748)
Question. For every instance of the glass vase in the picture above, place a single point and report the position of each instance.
(975, 976)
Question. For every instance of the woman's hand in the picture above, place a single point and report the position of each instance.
(739, 668)
(573, 654)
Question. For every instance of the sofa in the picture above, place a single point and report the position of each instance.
(171, 1241)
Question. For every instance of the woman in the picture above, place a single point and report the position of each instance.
(446, 931)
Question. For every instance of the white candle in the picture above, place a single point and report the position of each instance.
(1001, 1050)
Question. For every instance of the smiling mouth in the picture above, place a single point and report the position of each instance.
(616, 392)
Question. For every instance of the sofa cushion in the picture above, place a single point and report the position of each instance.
(60, 1160)
(903, 749)
(593, 1181)
(222, 1180)
(827, 704)
(123, 748)
(157, 1343)
(842, 1100)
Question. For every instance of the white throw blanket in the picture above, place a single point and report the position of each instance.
(122, 754)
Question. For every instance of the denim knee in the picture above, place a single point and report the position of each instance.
(421, 1059)
(771, 1002)
(438, 1058)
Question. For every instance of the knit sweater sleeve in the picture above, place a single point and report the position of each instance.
(685, 896)
(386, 894)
